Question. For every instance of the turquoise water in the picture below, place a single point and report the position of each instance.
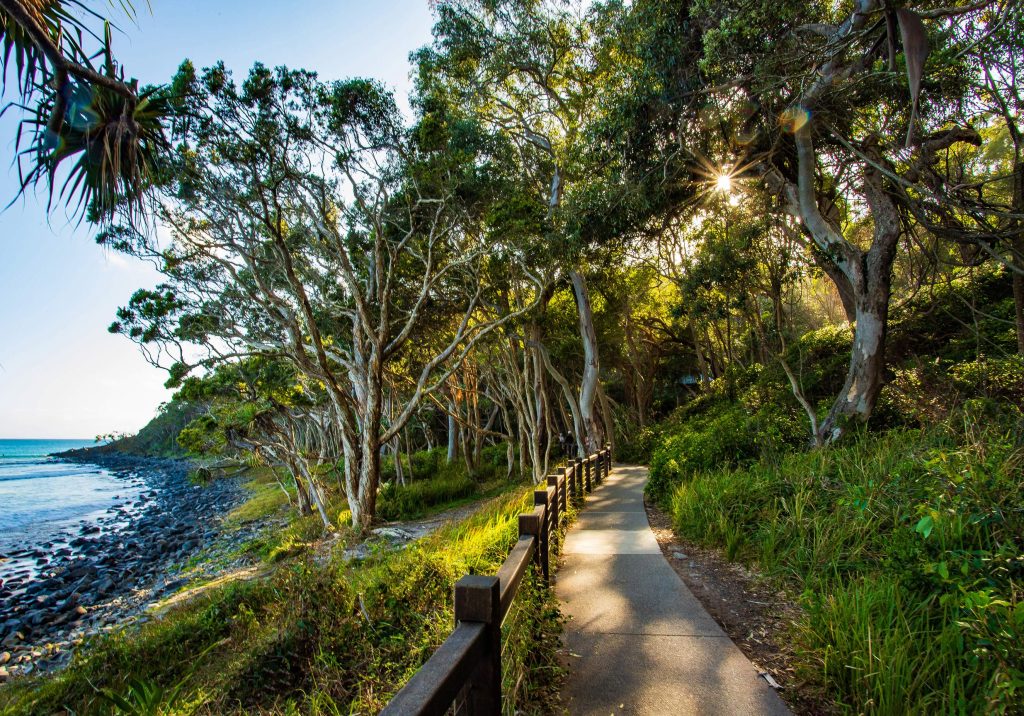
(40, 497)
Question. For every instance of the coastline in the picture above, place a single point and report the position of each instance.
(102, 574)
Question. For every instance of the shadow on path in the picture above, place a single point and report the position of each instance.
(637, 639)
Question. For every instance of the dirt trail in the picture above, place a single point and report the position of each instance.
(393, 535)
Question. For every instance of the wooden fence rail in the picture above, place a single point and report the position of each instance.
(465, 671)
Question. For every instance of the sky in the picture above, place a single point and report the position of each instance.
(62, 375)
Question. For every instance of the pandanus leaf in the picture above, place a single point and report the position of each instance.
(890, 36)
(915, 50)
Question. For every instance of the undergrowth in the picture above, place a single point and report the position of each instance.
(903, 543)
(906, 549)
(316, 637)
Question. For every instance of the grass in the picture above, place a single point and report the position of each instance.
(315, 637)
(415, 499)
(906, 550)
(265, 499)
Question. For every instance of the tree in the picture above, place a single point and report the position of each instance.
(524, 71)
(309, 227)
(264, 408)
(831, 79)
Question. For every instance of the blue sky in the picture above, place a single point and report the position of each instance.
(61, 374)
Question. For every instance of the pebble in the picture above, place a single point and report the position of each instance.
(102, 573)
(679, 555)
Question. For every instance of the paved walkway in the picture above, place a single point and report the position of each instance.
(639, 642)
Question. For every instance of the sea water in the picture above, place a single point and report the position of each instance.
(44, 498)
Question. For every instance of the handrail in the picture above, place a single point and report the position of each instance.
(435, 686)
(466, 668)
(514, 569)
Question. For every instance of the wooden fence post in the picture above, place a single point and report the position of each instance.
(540, 498)
(556, 502)
(563, 480)
(530, 525)
(478, 599)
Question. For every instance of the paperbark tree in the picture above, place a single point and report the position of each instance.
(532, 80)
(842, 163)
(309, 228)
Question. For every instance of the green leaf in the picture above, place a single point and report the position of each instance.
(924, 526)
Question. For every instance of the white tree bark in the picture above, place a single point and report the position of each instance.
(589, 385)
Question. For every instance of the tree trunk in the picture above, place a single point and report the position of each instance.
(453, 432)
(399, 470)
(578, 429)
(510, 448)
(1017, 252)
(591, 364)
(868, 273)
(867, 364)
(301, 494)
(365, 504)
(363, 478)
(317, 498)
(409, 451)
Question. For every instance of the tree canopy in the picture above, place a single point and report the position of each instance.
(597, 210)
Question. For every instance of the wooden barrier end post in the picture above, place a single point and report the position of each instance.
(478, 599)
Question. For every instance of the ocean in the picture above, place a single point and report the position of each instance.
(43, 499)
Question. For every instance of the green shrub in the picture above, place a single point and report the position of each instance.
(820, 359)
(427, 462)
(996, 378)
(941, 322)
(637, 446)
(729, 435)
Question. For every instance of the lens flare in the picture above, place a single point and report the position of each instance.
(794, 118)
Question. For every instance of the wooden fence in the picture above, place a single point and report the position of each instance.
(465, 671)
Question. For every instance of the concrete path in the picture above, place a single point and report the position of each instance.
(639, 642)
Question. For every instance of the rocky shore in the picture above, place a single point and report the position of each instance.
(104, 573)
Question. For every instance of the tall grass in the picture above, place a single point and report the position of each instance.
(317, 637)
(415, 499)
(906, 549)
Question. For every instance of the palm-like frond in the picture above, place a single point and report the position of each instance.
(63, 23)
(117, 145)
(74, 110)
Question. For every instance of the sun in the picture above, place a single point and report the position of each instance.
(724, 183)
